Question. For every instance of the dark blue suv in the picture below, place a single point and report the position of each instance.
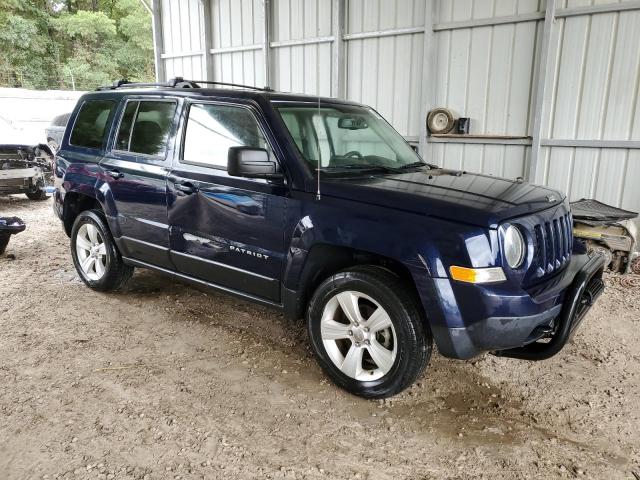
(319, 208)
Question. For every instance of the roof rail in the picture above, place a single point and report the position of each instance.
(177, 82)
(124, 83)
(237, 85)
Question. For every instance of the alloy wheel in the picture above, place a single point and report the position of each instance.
(91, 251)
(358, 335)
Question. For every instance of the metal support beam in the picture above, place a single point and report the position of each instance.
(207, 40)
(156, 15)
(266, 42)
(486, 22)
(195, 53)
(240, 48)
(392, 32)
(146, 6)
(304, 41)
(338, 66)
(428, 76)
(541, 81)
(561, 142)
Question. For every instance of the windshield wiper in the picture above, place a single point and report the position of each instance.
(356, 166)
(414, 165)
(382, 168)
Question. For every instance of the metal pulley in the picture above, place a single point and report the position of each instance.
(440, 121)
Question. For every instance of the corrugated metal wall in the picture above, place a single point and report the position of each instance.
(237, 36)
(298, 66)
(486, 73)
(594, 96)
(551, 87)
(183, 41)
(384, 68)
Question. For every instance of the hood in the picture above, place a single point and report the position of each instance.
(13, 134)
(25, 151)
(470, 198)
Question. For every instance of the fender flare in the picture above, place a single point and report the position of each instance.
(316, 253)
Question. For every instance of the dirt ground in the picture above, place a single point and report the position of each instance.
(163, 380)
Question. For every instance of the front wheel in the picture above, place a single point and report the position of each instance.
(368, 333)
(95, 256)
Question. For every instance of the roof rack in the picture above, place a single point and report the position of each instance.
(177, 82)
(226, 84)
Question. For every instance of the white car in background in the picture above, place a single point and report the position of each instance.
(25, 163)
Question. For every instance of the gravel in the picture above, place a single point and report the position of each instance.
(163, 380)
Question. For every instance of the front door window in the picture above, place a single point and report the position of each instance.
(213, 129)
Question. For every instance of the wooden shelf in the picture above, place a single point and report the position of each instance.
(480, 139)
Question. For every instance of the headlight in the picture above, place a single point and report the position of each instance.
(514, 246)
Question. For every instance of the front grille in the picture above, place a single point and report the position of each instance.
(9, 183)
(14, 165)
(14, 158)
(554, 239)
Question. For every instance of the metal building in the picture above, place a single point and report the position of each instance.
(551, 87)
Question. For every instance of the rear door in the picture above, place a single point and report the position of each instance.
(135, 168)
(226, 230)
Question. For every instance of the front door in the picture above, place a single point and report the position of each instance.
(135, 169)
(225, 230)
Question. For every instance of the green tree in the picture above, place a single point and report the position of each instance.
(28, 52)
(79, 43)
(89, 39)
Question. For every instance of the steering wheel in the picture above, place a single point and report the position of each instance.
(353, 153)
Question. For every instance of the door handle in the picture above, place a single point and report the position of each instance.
(115, 173)
(187, 187)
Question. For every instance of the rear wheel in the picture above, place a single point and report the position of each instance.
(4, 241)
(95, 256)
(37, 195)
(368, 333)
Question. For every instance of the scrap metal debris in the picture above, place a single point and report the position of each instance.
(629, 281)
(608, 231)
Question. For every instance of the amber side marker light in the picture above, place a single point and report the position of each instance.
(477, 275)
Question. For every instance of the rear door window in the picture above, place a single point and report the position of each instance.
(91, 124)
(124, 132)
(145, 126)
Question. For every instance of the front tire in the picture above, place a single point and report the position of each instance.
(368, 333)
(95, 255)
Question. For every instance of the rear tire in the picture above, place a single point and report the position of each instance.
(4, 241)
(37, 195)
(388, 345)
(95, 255)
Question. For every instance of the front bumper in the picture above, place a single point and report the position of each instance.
(550, 313)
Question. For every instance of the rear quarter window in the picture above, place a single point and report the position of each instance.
(91, 124)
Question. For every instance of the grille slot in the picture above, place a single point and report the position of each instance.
(554, 240)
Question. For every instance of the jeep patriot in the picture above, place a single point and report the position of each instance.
(319, 208)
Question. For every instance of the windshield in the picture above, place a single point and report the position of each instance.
(346, 137)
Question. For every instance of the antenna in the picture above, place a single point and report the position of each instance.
(318, 195)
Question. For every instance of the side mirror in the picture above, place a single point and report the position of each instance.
(251, 163)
